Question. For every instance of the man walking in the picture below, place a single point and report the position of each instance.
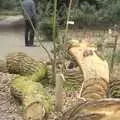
(30, 21)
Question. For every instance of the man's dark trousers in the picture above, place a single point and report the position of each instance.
(29, 32)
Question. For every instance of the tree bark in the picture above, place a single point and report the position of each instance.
(32, 96)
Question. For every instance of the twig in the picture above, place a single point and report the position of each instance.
(66, 33)
(54, 39)
(113, 54)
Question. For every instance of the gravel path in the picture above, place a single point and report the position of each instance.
(12, 39)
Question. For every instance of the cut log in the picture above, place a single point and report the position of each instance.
(107, 109)
(20, 63)
(32, 96)
(95, 71)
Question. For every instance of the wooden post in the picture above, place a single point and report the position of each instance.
(59, 92)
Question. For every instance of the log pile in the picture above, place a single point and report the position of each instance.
(94, 106)
(35, 100)
(25, 87)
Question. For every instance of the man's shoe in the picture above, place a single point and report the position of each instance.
(27, 45)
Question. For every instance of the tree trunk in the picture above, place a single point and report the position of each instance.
(95, 71)
(32, 96)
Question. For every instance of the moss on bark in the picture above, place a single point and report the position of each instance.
(31, 95)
